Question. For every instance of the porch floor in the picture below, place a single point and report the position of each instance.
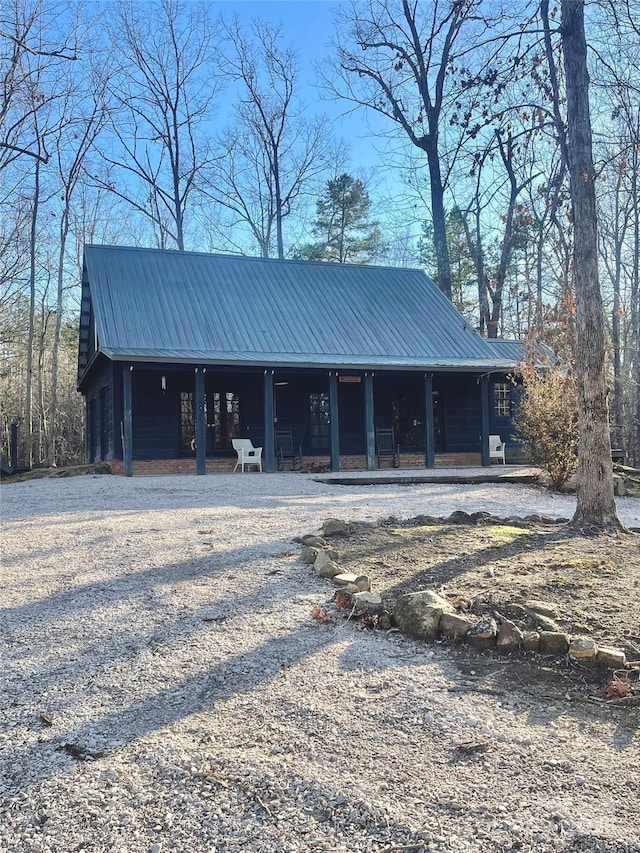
(457, 474)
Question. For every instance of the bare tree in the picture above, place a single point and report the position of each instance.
(395, 59)
(595, 500)
(86, 110)
(500, 174)
(271, 154)
(31, 49)
(163, 90)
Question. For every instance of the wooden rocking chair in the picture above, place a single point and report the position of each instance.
(387, 448)
(286, 450)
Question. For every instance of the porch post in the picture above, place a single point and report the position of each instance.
(335, 432)
(429, 435)
(369, 421)
(269, 432)
(484, 438)
(201, 428)
(127, 370)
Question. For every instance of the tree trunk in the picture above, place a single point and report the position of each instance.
(439, 221)
(595, 501)
(634, 408)
(32, 312)
(55, 353)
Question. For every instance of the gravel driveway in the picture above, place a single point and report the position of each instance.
(164, 687)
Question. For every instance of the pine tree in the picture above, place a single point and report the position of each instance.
(344, 233)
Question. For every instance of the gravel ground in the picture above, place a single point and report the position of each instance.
(165, 632)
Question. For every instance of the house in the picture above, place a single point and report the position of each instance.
(180, 352)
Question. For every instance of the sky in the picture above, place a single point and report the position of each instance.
(307, 25)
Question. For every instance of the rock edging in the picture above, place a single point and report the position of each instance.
(426, 615)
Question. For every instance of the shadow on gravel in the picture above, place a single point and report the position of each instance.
(235, 675)
(152, 603)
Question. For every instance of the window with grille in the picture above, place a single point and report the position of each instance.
(187, 422)
(502, 399)
(320, 421)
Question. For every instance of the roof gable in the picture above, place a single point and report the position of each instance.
(184, 306)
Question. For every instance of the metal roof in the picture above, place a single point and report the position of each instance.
(510, 350)
(156, 305)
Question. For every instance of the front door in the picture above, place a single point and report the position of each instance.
(223, 419)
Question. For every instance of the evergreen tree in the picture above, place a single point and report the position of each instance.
(344, 233)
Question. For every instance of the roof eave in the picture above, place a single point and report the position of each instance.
(307, 362)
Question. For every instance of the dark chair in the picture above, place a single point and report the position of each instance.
(387, 448)
(286, 449)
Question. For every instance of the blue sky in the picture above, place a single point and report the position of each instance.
(307, 25)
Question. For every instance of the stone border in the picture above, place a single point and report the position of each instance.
(425, 615)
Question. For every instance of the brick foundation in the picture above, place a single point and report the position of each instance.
(313, 464)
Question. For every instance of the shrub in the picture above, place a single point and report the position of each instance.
(547, 419)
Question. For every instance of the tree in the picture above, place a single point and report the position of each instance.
(395, 59)
(271, 153)
(86, 111)
(342, 227)
(30, 55)
(162, 88)
(595, 499)
(463, 275)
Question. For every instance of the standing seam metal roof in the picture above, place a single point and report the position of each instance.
(167, 305)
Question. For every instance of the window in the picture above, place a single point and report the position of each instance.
(502, 399)
(224, 417)
(320, 421)
(187, 422)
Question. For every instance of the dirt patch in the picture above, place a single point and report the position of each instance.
(592, 583)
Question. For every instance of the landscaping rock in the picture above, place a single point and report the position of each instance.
(345, 579)
(542, 613)
(314, 541)
(540, 519)
(554, 643)
(453, 625)
(513, 610)
(531, 642)
(367, 602)
(334, 527)
(309, 554)
(363, 582)
(325, 566)
(583, 649)
(418, 613)
(428, 519)
(619, 486)
(543, 608)
(509, 637)
(611, 657)
(461, 517)
(483, 635)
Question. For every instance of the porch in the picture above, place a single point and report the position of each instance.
(183, 418)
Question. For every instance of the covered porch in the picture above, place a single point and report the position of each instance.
(182, 418)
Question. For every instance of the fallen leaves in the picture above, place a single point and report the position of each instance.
(320, 614)
(615, 689)
(342, 601)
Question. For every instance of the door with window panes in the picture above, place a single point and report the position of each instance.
(222, 417)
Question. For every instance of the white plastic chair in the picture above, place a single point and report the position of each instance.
(496, 448)
(247, 453)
